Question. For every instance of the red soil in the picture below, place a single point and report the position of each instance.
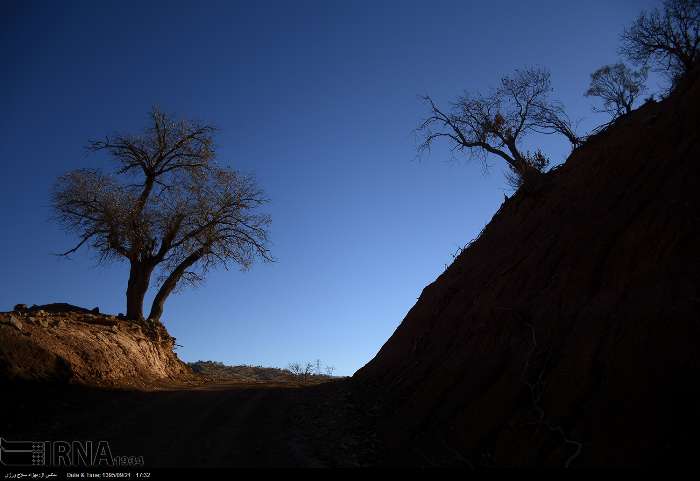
(568, 333)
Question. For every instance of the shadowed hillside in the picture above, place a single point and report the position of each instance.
(567, 333)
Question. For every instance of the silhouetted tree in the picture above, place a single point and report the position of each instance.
(551, 118)
(669, 38)
(167, 207)
(618, 87)
(497, 123)
(302, 371)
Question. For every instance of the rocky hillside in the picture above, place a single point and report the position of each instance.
(64, 343)
(568, 333)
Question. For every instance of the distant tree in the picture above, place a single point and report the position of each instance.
(295, 368)
(618, 87)
(301, 371)
(306, 371)
(668, 39)
(166, 207)
(496, 124)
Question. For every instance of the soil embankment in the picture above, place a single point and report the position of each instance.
(568, 333)
(68, 344)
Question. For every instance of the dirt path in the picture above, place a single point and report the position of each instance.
(213, 425)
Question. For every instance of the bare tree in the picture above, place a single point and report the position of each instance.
(302, 371)
(167, 207)
(295, 368)
(496, 124)
(308, 371)
(669, 38)
(618, 87)
(551, 118)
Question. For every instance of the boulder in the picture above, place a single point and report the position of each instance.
(11, 320)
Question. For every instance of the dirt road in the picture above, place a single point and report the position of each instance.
(224, 424)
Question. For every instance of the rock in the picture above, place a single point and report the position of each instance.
(20, 307)
(12, 321)
(60, 324)
(38, 320)
(96, 310)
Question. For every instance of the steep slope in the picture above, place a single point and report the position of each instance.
(568, 333)
(63, 343)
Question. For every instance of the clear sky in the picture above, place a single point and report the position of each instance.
(319, 101)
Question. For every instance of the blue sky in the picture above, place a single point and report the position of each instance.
(319, 101)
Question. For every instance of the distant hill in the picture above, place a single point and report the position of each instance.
(218, 371)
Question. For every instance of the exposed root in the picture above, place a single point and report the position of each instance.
(536, 389)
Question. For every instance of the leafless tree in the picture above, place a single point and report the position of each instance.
(495, 124)
(669, 38)
(305, 371)
(618, 87)
(308, 371)
(301, 371)
(167, 207)
(295, 368)
(551, 118)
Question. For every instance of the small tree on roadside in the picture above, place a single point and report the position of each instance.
(668, 39)
(167, 207)
(495, 124)
(618, 87)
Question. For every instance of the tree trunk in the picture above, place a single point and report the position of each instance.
(139, 278)
(167, 288)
